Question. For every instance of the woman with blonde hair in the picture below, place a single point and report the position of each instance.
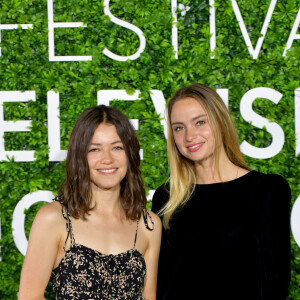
(226, 228)
(97, 241)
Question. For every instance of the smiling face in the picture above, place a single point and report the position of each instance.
(191, 130)
(107, 159)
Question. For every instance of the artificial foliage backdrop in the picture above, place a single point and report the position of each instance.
(27, 64)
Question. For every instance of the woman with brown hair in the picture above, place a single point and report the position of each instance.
(226, 228)
(98, 239)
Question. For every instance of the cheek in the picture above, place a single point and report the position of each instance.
(125, 166)
(124, 162)
(208, 134)
(211, 139)
(178, 139)
(180, 145)
(90, 160)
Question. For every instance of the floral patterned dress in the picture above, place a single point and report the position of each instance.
(84, 273)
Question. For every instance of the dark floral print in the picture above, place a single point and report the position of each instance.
(84, 273)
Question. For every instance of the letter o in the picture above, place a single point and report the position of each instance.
(18, 220)
(295, 221)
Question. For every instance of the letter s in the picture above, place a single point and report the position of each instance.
(273, 128)
(126, 25)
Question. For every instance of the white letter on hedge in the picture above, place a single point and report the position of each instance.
(174, 27)
(125, 25)
(9, 126)
(263, 31)
(293, 35)
(297, 120)
(273, 128)
(18, 221)
(159, 103)
(223, 93)
(212, 26)
(55, 153)
(295, 221)
(51, 26)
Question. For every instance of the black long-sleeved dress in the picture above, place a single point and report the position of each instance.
(230, 241)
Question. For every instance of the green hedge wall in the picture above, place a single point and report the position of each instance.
(25, 65)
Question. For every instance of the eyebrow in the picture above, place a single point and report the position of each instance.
(99, 144)
(193, 119)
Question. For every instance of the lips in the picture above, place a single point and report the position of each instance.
(194, 147)
(107, 171)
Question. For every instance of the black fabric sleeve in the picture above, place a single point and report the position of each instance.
(274, 211)
(160, 198)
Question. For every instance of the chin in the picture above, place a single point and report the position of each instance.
(105, 187)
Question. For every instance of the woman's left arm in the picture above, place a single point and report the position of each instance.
(151, 257)
(279, 228)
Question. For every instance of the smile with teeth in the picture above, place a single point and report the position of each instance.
(194, 147)
(107, 171)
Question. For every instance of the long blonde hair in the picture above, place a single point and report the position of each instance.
(182, 170)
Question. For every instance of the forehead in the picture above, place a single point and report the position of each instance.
(186, 108)
(105, 131)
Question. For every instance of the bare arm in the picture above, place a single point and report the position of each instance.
(151, 257)
(43, 245)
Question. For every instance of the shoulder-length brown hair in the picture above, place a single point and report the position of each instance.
(75, 191)
(182, 171)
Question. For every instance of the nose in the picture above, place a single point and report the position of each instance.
(106, 157)
(190, 133)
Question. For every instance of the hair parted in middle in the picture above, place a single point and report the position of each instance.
(182, 170)
(75, 192)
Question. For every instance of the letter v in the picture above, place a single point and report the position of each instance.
(263, 31)
(159, 103)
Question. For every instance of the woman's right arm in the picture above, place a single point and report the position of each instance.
(43, 245)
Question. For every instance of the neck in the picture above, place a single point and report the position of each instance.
(207, 172)
(107, 202)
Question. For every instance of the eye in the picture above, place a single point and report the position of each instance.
(200, 122)
(118, 148)
(178, 128)
(93, 149)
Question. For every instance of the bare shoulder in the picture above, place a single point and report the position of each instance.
(50, 211)
(49, 226)
(50, 215)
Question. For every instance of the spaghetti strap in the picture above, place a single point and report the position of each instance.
(67, 217)
(136, 231)
(147, 217)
